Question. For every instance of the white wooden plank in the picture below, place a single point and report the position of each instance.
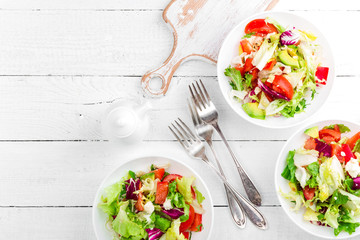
(160, 4)
(69, 173)
(318, 5)
(46, 223)
(75, 223)
(70, 108)
(85, 4)
(121, 43)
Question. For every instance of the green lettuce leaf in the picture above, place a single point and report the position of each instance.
(176, 198)
(348, 183)
(236, 78)
(110, 209)
(347, 227)
(161, 223)
(313, 169)
(248, 78)
(331, 175)
(338, 199)
(131, 175)
(296, 197)
(113, 191)
(346, 221)
(331, 216)
(173, 233)
(126, 228)
(184, 187)
(185, 217)
(199, 197)
(290, 168)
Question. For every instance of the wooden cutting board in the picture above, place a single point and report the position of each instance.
(199, 27)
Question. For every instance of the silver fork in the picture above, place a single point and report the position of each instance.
(195, 148)
(208, 113)
(206, 131)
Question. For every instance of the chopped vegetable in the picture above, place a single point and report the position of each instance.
(323, 148)
(289, 38)
(154, 233)
(174, 213)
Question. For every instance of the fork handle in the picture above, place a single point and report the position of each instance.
(250, 189)
(251, 211)
(236, 209)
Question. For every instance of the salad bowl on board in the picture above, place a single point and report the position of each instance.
(142, 164)
(282, 186)
(230, 49)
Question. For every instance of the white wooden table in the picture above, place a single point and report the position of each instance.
(62, 62)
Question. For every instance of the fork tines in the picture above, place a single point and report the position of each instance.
(183, 133)
(194, 114)
(199, 94)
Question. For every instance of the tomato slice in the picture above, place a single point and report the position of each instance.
(328, 134)
(310, 144)
(283, 86)
(187, 224)
(248, 65)
(260, 26)
(351, 141)
(159, 173)
(269, 65)
(197, 225)
(309, 193)
(336, 128)
(336, 151)
(161, 192)
(246, 46)
(171, 177)
(254, 74)
(241, 69)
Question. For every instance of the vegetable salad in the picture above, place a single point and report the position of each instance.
(153, 205)
(324, 177)
(276, 70)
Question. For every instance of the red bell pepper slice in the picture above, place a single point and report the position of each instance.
(322, 75)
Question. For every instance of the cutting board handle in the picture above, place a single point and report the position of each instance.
(165, 72)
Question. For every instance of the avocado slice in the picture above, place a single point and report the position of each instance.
(253, 110)
(286, 59)
(150, 175)
(312, 132)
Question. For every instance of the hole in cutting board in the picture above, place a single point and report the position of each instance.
(156, 84)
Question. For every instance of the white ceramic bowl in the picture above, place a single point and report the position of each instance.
(141, 164)
(295, 142)
(229, 50)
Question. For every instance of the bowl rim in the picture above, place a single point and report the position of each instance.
(135, 158)
(276, 175)
(329, 83)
